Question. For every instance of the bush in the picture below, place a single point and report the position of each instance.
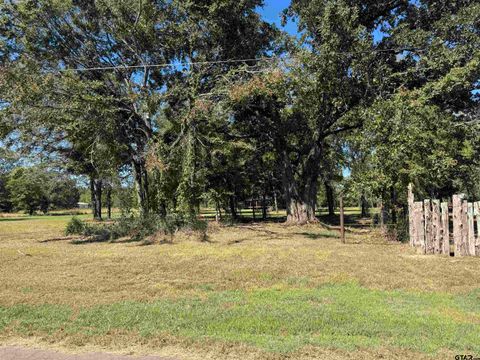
(399, 231)
(141, 227)
(97, 232)
(75, 227)
(126, 201)
(137, 228)
(394, 232)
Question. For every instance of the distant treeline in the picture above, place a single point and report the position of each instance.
(33, 189)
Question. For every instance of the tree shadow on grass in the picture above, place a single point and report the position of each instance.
(155, 242)
(128, 240)
(64, 238)
(238, 241)
(105, 239)
(16, 219)
(90, 240)
(245, 219)
(316, 236)
(351, 220)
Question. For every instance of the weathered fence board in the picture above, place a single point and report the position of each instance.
(445, 229)
(470, 230)
(429, 226)
(411, 221)
(419, 225)
(476, 211)
(464, 243)
(436, 227)
(457, 223)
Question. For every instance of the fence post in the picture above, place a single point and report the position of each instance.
(476, 211)
(457, 224)
(445, 229)
(411, 220)
(436, 227)
(470, 230)
(420, 225)
(428, 227)
(464, 247)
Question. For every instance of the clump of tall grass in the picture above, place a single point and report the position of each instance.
(137, 228)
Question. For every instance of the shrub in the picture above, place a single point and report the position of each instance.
(97, 232)
(75, 227)
(399, 231)
(126, 201)
(137, 228)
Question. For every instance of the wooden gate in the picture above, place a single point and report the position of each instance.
(434, 226)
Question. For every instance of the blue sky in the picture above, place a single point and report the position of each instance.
(272, 13)
(272, 10)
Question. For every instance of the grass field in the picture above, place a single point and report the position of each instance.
(253, 291)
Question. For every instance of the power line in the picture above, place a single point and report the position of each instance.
(230, 61)
(169, 65)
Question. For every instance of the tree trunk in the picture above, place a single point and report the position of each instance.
(301, 202)
(218, 212)
(383, 214)
(300, 212)
(364, 205)
(109, 201)
(163, 209)
(141, 185)
(330, 198)
(301, 199)
(253, 209)
(342, 220)
(92, 197)
(96, 196)
(264, 207)
(233, 208)
(393, 202)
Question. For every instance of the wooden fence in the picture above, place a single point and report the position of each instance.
(435, 226)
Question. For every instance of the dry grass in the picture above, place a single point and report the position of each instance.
(35, 270)
(132, 344)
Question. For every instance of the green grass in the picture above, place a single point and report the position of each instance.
(208, 213)
(344, 316)
(43, 218)
(55, 218)
(277, 292)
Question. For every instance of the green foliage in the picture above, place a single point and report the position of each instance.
(421, 130)
(126, 200)
(28, 189)
(5, 203)
(75, 226)
(111, 118)
(340, 316)
(249, 129)
(404, 143)
(34, 188)
(63, 193)
(136, 228)
(399, 230)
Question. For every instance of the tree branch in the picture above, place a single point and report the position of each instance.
(342, 129)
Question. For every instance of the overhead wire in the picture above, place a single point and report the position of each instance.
(228, 61)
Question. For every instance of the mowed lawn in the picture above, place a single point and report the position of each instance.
(256, 291)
